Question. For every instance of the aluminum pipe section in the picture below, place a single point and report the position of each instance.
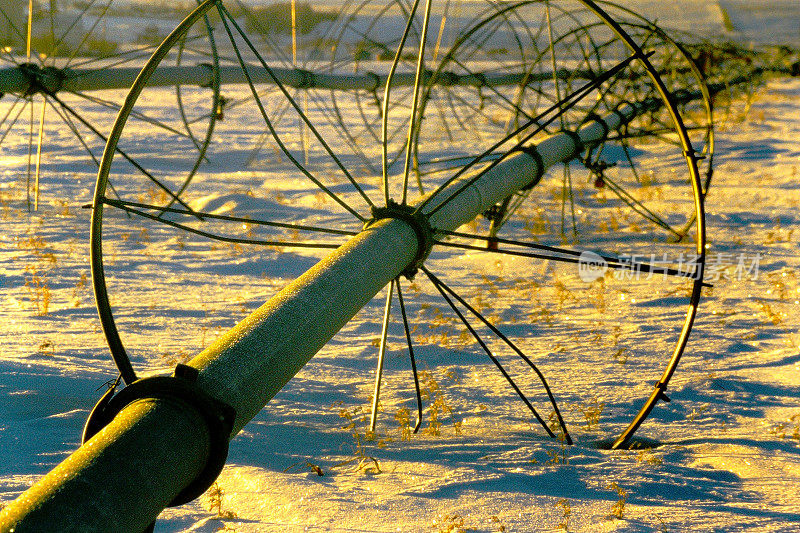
(16, 80)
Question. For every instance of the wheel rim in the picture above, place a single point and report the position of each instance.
(348, 209)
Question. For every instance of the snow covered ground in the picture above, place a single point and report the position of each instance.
(724, 455)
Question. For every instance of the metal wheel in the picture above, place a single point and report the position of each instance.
(583, 273)
(531, 82)
(66, 75)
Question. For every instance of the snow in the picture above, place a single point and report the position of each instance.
(723, 455)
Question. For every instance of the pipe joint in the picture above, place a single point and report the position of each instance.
(48, 80)
(418, 222)
(447, 78)
(477, 80)
(577, 142)
(376, 81)
(211, 73)
(306, 79)
(594, 117)
(531, 151)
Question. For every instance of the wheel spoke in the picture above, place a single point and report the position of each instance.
(88, 5)
(130, 208)
(127, 157)
(639, 207)
(446, 294)
(78, 135)
(387, 99)
(139, 206)
(569, 101)
(286, 94)
(410, 345)
(141, 116)
(226, 16)
(10, 22)
(563, 255)
(39, 143)
(376, 395)
(89, 33)
(30, 157)
(11, 124)
(119, 58)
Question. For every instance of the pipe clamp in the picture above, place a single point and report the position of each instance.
(182, 388)
(418, 222)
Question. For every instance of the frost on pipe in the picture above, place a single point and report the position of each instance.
(247, 224)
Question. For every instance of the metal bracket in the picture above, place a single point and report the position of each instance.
(418, 222)
(181, 387)
(598, 169)
(661, 395)
(48, 80)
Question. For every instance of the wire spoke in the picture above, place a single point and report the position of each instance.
(201, 145)
(500, 95)
(136, 114)
(9, 56)
(566, 193)
(128, 158)
(629, 158)
(415, 100)
(39, 147)
(51, 16)
(291, 101)
(569, 101)
(376, 395)
(75, 131)
(264, 32)
(71, 125)
(74, 23)
(657, 132)
(519, 199)
(511, 345)
(11, 24)
(125, 206)
(410, 355)
(638, 206)
(386, 99)
(30, 156)
(270, 126)
(478, 110)
(90, 32)
(334, 118)
(567, 256)
(16, 117)
(141, 51)
(444, 292)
